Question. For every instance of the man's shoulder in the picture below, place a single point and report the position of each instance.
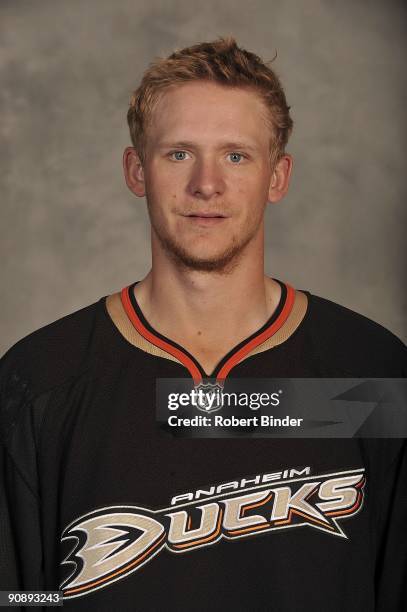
(353, 337)
(54, 352)
(341, 318)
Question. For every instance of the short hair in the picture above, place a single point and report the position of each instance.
(222, 62)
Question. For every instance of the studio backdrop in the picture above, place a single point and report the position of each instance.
(71, 232)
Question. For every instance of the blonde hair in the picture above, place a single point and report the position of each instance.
(221, 62)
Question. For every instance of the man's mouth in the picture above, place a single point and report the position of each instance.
(206, 215)
(205, 218)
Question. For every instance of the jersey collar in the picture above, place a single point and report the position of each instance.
(232, 358)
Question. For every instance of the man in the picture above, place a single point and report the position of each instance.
(101, 502)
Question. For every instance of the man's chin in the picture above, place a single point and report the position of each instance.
(221, 262)
(201, 258)
(221, 265)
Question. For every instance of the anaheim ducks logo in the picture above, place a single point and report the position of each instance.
(113, 542)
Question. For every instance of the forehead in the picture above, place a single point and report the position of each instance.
(208, 111)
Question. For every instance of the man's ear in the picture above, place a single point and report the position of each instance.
(280, 179)
(134, 172)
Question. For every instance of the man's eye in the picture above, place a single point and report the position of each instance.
(236, 157)
(178, 155)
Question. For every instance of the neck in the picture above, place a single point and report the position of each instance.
(208, 313)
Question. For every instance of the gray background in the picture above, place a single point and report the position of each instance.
(72, 232)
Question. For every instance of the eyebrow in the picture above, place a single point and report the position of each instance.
(191, 145)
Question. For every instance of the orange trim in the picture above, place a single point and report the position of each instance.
(247, 348)
(309, 518)
(172, 350)
(358, 502)
(262, 502)
(209, 538)
(248, 529)
(187, 361)
(355, 507)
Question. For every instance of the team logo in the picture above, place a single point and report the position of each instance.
(111, 543)
(209, 397)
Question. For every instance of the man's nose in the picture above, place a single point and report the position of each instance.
(206, 179)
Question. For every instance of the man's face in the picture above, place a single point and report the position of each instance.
(207, 173)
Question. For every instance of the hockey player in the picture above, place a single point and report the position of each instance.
(101, 503)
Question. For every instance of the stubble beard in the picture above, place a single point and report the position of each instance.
(223, 263)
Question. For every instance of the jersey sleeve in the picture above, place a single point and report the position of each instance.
(20, 523)
(9, 578)
(391, 572)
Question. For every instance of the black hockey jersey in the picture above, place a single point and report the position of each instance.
(98, 501)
